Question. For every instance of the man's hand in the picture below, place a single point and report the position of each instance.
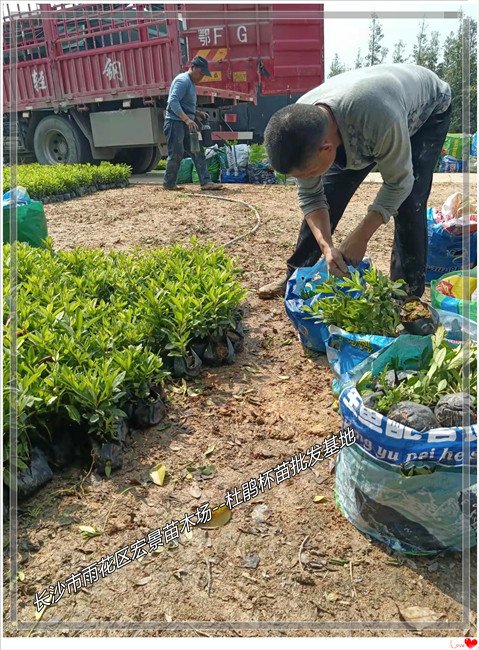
(335, 261)
(191, 124)
(353, 248)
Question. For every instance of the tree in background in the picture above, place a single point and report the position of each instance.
(419, 50)
(376, 53)
(398, 52)
(358, 63)
(336, 66)
(445, 61)
(432, 53)
(451, 71)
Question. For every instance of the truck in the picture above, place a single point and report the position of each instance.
(89, 82)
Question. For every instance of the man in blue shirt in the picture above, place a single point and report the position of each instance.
(180, 121)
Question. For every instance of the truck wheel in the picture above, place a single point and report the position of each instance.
(140, 159)
(155, 159)
(57, 140)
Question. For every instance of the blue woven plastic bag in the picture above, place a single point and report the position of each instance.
(344, 349)
(445, 251)
(398, 485)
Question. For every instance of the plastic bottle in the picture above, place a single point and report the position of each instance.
(194, 142)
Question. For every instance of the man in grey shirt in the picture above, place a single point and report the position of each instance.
(393, 116)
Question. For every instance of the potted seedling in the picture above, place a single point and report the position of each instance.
(418, 318)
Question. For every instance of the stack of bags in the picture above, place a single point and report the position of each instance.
(445, 236)
(451, 154)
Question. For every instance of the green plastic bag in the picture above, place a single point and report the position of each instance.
(184, 172)
(446, 293)
(214, 168)
(31, 223)
(453, 144)
(223, 158)
(420, 514)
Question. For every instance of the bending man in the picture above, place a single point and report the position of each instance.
(393, 116)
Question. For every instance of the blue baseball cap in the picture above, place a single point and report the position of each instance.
(202, 64)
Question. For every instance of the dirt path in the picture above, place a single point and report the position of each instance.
(274, 402)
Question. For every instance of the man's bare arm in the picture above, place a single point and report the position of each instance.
(320, 225)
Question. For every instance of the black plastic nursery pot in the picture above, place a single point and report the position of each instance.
(83, 191)
(188, 366)
(150, 411)
(219, 352)
(419, 318)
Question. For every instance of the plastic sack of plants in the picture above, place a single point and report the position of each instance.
(345, 350)
(445, 250)
(16, 196)
(185, 171)
(261, 173)
(450, 165)
(214, 168)
(31, 223)
(447, 293)
(453, 144)
(233, 176)
(312, 333)
(419, 514)
(399, 485)
(213, 164)
(234, 173)
(474, 145)
(238, 155)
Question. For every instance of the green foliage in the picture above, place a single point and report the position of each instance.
(281, 177)
(49, 180)
(420, 46)
(398, 52)
(374, 311)
(426, 50)
(442, 371)
(161, 164)
(376, 52)
(257, 153)
(431, 58)
(358, 61)
(450, 69)
(336, 66)
(93, 329)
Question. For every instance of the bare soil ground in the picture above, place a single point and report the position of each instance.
(274, 402)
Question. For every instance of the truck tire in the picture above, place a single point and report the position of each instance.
(58, 140)
(140, 159)
(155, 159)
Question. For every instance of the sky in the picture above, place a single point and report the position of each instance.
(345, 35)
